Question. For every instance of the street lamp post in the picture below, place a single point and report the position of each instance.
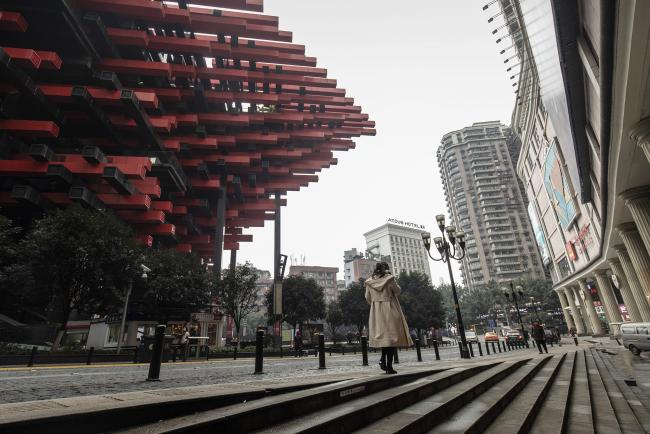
(515, 296)
(446, 246)
(145, 269)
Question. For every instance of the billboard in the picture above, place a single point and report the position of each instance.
(558, 188)
(539, 234)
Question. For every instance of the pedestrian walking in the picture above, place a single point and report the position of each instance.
(185, 342)
(297, 343)
(572, 333)
(387, 325)
(539, 336)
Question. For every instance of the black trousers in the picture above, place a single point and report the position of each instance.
(387, 356)
(541, 344)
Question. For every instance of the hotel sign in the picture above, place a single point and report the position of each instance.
(407, 224)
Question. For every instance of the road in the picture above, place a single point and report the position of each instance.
(28, 384)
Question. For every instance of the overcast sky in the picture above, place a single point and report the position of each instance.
(419, 68)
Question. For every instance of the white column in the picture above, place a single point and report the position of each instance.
(626, 292)
(565, 307)
(637, 201)
(640, 134)
(638, 254)
(585, 295)
(584, 315)
(580, 328)
(606, 293)
(634, 284)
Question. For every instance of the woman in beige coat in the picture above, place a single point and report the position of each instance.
(387, 325)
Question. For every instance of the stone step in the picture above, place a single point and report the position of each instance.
(520, 414)
(475, 416)
(249, 416)
(604, 418)
(552, 414)
(429, 412)
(623, 410)
(362, 411)
(580, 418)
(620, 377)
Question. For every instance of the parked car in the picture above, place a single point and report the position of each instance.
(636, 337)
(491, 337)
(514, 336)
(471, 336)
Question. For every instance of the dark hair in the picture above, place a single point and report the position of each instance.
(381, 269)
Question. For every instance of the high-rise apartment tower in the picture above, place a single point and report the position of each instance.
(485, 199)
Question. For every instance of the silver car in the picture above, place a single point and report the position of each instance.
(636, 336)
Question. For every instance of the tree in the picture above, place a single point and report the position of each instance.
(422, 304)
(334, 318)
(237, 293)
(177, 285)
(81, 260)
(354, 306)
(447, 298)
(10, 266)
(302, 300)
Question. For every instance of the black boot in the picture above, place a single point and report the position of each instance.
(389, 360)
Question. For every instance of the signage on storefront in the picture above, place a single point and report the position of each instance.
(407, 224)
(584, 239)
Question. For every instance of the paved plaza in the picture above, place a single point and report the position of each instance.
(28, 384)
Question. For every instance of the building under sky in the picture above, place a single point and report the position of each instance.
(400, 245)
(486, 201)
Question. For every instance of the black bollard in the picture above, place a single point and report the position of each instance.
(435, 349)
(396, 358)
(493, 350)
(135, 354)
(89, 359)
(156, 354)
(234, 354)
(32, 357)
(259, 352)
(207, 352)
(417, 349)
(480, 350)
(499, 345)
(487, 349)
(321, 351)
(174, 351)
(575, 340)
(471, 348)
(551, 342)
(364, 350)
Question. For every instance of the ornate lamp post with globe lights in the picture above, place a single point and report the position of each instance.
(519, 295)
(451, 245)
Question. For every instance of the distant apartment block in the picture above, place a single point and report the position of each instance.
(486, 200)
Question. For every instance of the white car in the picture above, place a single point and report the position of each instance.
(471, 336)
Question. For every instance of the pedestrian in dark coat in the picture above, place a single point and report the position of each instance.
(539, 336)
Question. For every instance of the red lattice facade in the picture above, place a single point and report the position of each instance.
(186, 121)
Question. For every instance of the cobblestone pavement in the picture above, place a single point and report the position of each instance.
(38, 383)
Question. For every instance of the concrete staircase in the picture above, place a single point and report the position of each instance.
(573, 391)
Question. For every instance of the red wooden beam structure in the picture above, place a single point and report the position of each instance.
(157, 111)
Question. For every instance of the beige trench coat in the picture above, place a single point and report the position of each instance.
(386, 326)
